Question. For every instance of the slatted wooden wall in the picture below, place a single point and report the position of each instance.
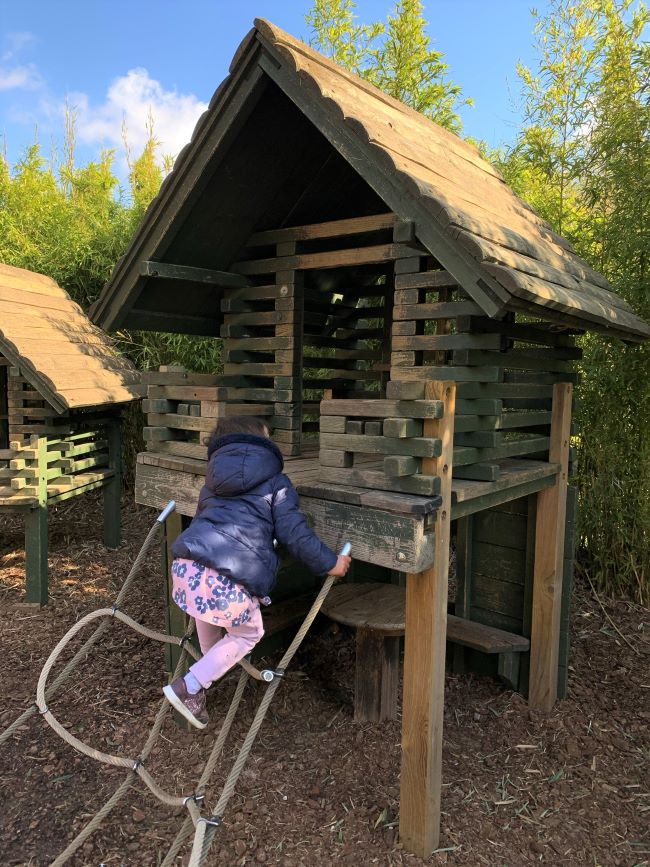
(494, 578)
(319, 320)
(4, 416)
(505, 369)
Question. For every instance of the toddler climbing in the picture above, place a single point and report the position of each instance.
(225, 562)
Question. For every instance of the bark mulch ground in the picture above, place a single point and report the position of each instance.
(568, 788)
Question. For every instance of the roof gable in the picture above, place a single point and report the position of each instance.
(66, 358)
(502, 253)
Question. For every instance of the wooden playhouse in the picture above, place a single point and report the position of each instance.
(407, 325)
(62, 389)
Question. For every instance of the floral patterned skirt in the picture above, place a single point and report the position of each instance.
(206, 595)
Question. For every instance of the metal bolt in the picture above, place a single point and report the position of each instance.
(401, 556)
(284, 290)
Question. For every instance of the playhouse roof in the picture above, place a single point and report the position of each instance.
(282, 97)
(66, 358)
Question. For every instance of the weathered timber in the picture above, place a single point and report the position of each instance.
(549, 557)
(457, 374)
(331, 229)
(402, 427)
(436, 310)
(191, 274)
(424, 657)
(383, 408)
(422, 485)
(417, 446)
(378, 537)
(330, 259)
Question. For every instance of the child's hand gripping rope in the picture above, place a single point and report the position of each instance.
(342, 562)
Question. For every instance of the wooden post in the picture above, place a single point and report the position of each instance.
(175, 619)
(464, 579)
(549, 560)
(113, 488)
(376, 679)
(424, 655)
(36, 530)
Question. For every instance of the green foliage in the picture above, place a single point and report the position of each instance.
(397, 57)
(583, 161)
(336, 34)
(73, 223)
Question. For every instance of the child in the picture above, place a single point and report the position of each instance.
(225, 561)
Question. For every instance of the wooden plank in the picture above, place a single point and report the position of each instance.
(379, 537)
(431, 342)
(486, 472)
(401, 427)
(187, 392)
(420, 485)
(374, 255)
(331, 229)
(172, 378)
(464, 455)
(197, 451)
(549, 559)
(504, 390)
(436, 310)
(379, 408)
(334, 458)
(426, 373)
(425, 280)
(521, 359)
(416, 446)
(487, 639)
(401, 465)
(191, 274)
(424, 659)
(528, 332)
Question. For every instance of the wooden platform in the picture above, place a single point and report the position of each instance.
(518, 477)
(385, 528)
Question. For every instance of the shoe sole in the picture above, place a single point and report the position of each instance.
(178, 705)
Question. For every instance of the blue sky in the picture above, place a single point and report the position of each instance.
(116, 61)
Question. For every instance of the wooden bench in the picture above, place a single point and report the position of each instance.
(377, 613)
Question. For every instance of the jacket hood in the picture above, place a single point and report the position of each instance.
(240, 462)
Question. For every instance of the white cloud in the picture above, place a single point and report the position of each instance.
(130, 101)
(24, 77)
(17, 76)
(15, 43)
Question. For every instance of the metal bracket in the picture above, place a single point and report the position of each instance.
(214, 822)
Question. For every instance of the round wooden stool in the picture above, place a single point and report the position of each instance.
(376, 611)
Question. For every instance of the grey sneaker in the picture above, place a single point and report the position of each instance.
(192, 707)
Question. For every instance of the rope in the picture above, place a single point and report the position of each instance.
(119, 793)
(204, 827)
(204, 833)
(153, 537)
(208, 768)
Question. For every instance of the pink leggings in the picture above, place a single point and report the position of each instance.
(223, 646)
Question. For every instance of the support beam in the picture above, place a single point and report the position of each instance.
(36, 530)
(192, 274)
(424, 656)
(175, 619)
(549, 560)
(113, 489)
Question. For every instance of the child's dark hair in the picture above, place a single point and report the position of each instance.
(240, 424)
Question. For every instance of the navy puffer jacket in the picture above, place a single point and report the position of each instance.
(245, 504)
